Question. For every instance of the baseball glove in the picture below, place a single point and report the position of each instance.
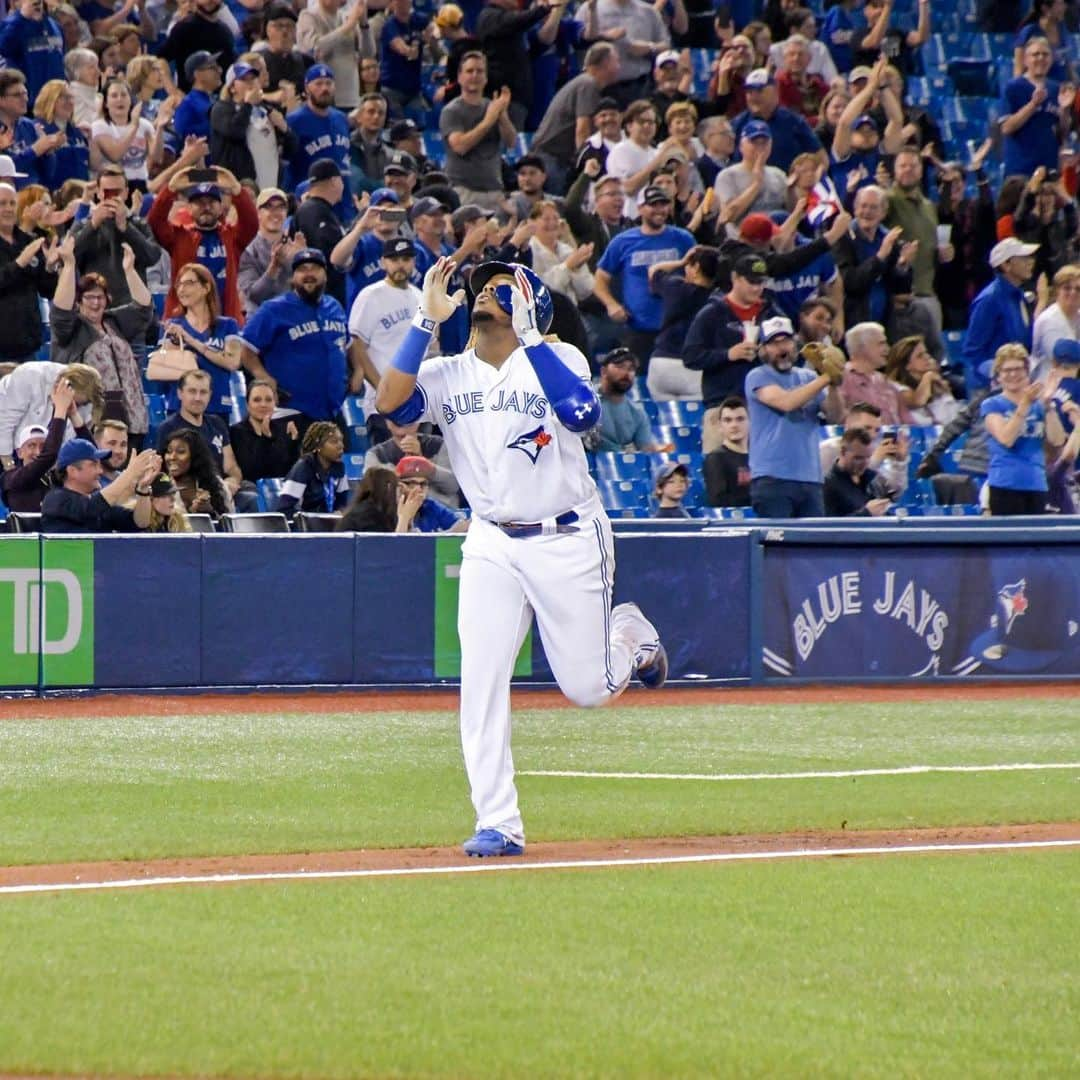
(825, 360)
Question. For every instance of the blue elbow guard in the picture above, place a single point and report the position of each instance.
(575, 404)
(411, 410)
(411, 352)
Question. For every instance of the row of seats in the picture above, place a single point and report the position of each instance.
(262, 522)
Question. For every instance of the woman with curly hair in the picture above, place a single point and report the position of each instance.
(191, 465)
(317, 483)
(925, 392)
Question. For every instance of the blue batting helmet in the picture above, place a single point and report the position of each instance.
(545, 307)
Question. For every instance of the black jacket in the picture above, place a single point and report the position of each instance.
(228, 139)
(100, 251)
(20, 289)
(861, 275)
(502, 35)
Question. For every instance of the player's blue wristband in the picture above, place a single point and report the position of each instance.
(411, 352)
(412, 409)
(575, 403)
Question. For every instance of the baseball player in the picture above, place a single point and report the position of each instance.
(512, 408)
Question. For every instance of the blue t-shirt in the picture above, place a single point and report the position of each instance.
(841, 170)
(454, 332)
(192, 117)
(1020, 467)
(791, 136)
(788, 293)
(220, 388)
(836, 32)
(623, 424)
(395, 71)
(1059, 68)
(365, 269)
(1037, 142)
(1068, 390)
(35, 47)
(434, 517)
(784, 445)
(322, 137)
(303, 347)
(69, 162)
(629, 256)
(211, 254)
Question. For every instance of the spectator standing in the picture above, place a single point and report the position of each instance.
(120, 136)
(316, 219)
(852, 488)
(801, 21)
(531, 178)
(606, 220)
(607, 134)
(561, 265)
(24, 277)
(206, 235)
(297, 342)
(1047, 217)
(751, 185)
(54, 108)
(337, 39)
(627, 260)
(1046, 19)
(642, 39)
(972, 229)
(635, 160)
(198, 32)
(785, 401)
(880, 37)
(669, 78)
(87, 329)
(263, 447)
(1060, 321)
(727, 468)
(84, 76)
(855, 150)
(791, 134)
(501, 29)
(26, 397)
(917, 216)
(723, 338)
(264, 265)
(1016, 423)
(670, 484)
(192, 116)
(369, 151)
(568, 122)
(683, 296)
(797, 87)
(359, 254)
(841, 21)
(623, 423)
(33, 43)
(322, 131)
(475, 130)
(100, 237)
(82, 505)
(404, 34)
(1036, 113)
(1003, 313)
(285, 63)
(317, 483)
(868, 352)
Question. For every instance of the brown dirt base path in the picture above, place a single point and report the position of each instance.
(583, 851)
(108, 704)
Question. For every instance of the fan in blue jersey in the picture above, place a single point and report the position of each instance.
(322, 132)
(297, 341)
(33, 43)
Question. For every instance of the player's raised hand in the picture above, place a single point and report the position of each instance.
(435, 302)
(523, 305)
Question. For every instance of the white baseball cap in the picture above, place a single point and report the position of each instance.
(1010, 248)
(668, 56)
(31, 431)
(777, 327)
(8, 170)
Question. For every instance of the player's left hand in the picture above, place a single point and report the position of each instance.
(523, 317)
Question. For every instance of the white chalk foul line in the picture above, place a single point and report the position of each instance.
(504, 865)
(902, 770)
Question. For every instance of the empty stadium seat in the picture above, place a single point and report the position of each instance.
(623, 494)
(201, 523)
(255, 523)
(623, 466)
(680, 413)
(681, 439)
(24, 522)
(354, 466)
(269, 491)
(352, 412)
(315, 523)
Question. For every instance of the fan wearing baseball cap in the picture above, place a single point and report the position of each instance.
(751, 185)
(36, 447)
(791, 134)
(784, 402)
(1003, 313)
(317, 220)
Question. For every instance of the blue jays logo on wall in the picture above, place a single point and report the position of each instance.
(531, 443)
(917, 613)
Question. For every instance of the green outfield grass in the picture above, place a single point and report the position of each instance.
(905, 966)
(139, 787)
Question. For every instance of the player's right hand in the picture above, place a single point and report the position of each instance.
(435, 302)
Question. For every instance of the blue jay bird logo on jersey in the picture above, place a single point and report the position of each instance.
(531, 443)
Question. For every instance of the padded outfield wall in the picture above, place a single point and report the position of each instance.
(763, 604)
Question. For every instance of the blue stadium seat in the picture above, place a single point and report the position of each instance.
(269, 491)
(354, 466)
(683, 439)
(352, 413)
(723, 513)
(623, 494)
(623, 466)
(680, 413)
(522, 144)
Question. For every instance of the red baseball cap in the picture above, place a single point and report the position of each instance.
(414, 465)
(757, 229)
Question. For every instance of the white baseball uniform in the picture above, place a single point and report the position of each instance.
(517, 464)
(380, 318)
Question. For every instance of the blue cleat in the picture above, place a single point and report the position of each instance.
(492, 842)
(654, 674)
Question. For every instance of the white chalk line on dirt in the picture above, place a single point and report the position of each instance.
(901, 770)
(501, 865)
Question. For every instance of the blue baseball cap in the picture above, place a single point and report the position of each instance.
(317, 71)
(71, 453)
(201, 191)
(755, 129)
(383, 195)
(1066, 351)
(866, 120)
(309, 255)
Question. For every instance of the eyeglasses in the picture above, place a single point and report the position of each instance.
(412, 483)
(648, 120)
(188, 281)
(22, 92)
(1013, 371)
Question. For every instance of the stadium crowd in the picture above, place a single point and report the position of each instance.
(823, 259)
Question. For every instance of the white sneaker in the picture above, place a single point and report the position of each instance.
(630, 624)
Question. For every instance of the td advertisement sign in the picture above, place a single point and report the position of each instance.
(46, 612)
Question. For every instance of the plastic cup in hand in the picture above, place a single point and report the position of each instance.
(750, 330)
(944, 235)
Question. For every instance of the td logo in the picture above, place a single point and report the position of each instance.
(46, 612)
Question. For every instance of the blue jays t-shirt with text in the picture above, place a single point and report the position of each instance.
(1036, 143)
(628, 258)
(1022, 466)
(220, 387)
